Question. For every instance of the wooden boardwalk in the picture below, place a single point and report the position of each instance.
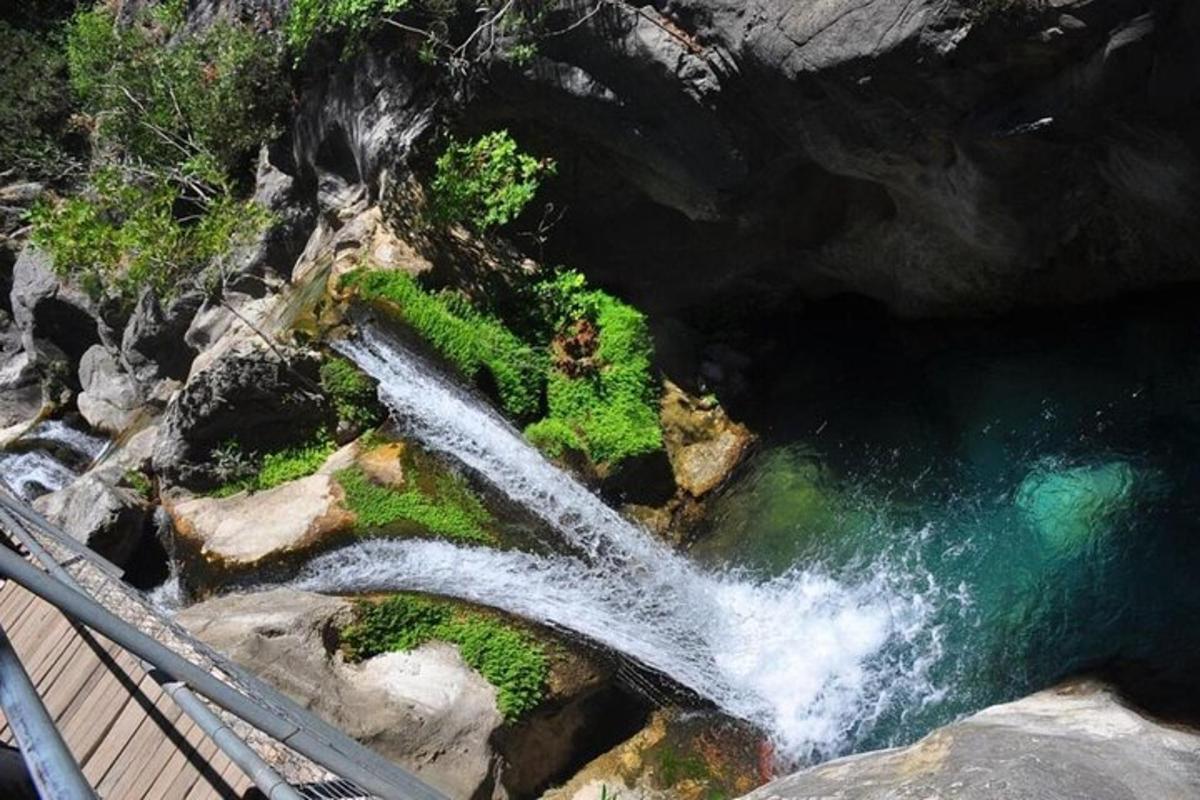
(130, 738)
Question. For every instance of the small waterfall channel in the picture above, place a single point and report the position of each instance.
(810, 659)
(47, 457)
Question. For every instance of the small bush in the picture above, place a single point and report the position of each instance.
(485, 183)
(506, 656)
(216, 94)
(352, 392)
(471, 341)
(118, 237)
(352, 19)
(449, 510)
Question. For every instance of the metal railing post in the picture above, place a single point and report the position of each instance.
(53, 769)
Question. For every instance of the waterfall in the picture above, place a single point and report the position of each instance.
(804, 656)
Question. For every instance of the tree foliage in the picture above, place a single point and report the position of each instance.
(485, 182)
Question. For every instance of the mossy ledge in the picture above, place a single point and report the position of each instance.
(507, 656)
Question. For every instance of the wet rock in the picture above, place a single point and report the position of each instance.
(110, 520)
(110, 400)
(222, 538)
(424, 709)
(1070, 506)
(704, 444)
(1077, 740)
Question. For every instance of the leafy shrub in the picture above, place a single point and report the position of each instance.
(449, 510)
(117, 237)
(471, 341)
(486, 182)
(34, 101)
(353, 393)
(506, 656)
(214, 96)
(260, 473)
(351, 18)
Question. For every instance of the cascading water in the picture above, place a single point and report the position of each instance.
(805, 657)
(40, 468)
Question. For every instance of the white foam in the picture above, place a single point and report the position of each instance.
(33, 473)
(801, 655)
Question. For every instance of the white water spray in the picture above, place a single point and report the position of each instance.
(801, 655)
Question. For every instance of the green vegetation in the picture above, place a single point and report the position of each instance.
(352, 19)
(609, 405)
(175, 117)
(486, 182)
(136, 479)
(591, 353)
(256, 473)
(352, 393)
(118, 237)
(473, 342)
(34, 102)
(197, 105)
(448, 510)
(506, 656)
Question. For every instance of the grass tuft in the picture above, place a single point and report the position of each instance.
(449, 510)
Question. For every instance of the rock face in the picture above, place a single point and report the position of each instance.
(425, 709)
(938, 156)
(250, 394)
(110, 399)
(1074, 741)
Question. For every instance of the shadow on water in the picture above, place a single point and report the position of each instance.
(1041, 470)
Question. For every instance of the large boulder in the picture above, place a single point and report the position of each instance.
(222, 538)
(262, 396)
(153, 345)
(425, 709)
(46, 309)
(1075, 741)
(110, 520)
(110, 399)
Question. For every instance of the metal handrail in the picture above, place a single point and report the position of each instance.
(265, 708)
(51, 766)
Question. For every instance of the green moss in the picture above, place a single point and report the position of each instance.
(279, 467)
(474, 342)
(612, 410)
(447, 509)
(353, 393)
(506, 656)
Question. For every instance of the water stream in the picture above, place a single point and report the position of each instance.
(807, 657)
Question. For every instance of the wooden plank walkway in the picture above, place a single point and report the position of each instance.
(129, 737)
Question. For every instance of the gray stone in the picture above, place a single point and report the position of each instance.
(109, 520)
(247, 393)
(110, 400)
(47, 310)
(1076, 741)
(153, 345)
(425, 709)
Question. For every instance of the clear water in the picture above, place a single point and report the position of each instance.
(1042, 474)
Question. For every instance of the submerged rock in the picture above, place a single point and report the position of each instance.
(1069, 507)
(1077, 740)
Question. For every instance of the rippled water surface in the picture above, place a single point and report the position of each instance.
(1033, 481)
